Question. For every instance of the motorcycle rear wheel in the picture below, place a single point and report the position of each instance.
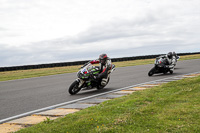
(171, 72)
(73, 89)
(165, 72)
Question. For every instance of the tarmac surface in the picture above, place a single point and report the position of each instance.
(20, 96)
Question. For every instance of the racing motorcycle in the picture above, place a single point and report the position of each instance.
(85, 80)
(160, 66)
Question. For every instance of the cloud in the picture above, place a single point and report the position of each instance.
(83, 30)
(2, 29)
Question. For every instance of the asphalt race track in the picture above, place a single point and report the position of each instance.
(21, 96)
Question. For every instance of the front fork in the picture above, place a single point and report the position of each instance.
(81, 82)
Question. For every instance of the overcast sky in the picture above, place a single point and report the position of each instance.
(50, 31)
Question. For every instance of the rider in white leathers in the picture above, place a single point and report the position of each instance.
(171, 59)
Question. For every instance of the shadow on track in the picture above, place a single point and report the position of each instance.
(93, 91)
(162, 75)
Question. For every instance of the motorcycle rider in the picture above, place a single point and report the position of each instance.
(104, 65)
(175, 57)
(171, 61)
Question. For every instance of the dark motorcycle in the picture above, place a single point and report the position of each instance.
(161, 66)
(86, 81)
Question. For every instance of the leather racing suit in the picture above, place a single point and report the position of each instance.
(171, 62)
(104, 69)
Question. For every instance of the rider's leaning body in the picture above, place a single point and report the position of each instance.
(104, 64)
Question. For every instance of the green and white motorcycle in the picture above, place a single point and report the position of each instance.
(85, 80)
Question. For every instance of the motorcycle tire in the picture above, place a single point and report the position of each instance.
(171, 72)
(165, 72)
(152, 71)
(73, 89)
(99, 87)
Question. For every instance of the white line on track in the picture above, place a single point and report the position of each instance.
(73, 101)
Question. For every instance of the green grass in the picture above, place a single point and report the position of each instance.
(172, 107)
(20, 74)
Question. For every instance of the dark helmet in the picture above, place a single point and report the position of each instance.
(174, 54)
(169, 55)
(103, 58)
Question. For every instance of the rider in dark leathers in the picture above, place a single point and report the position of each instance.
(105, 65)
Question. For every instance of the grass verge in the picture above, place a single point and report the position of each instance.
(21, 74)
(172, 107)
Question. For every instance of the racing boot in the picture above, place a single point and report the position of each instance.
(104, 81)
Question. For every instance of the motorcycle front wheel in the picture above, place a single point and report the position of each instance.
(73, 89)
(152, 71)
